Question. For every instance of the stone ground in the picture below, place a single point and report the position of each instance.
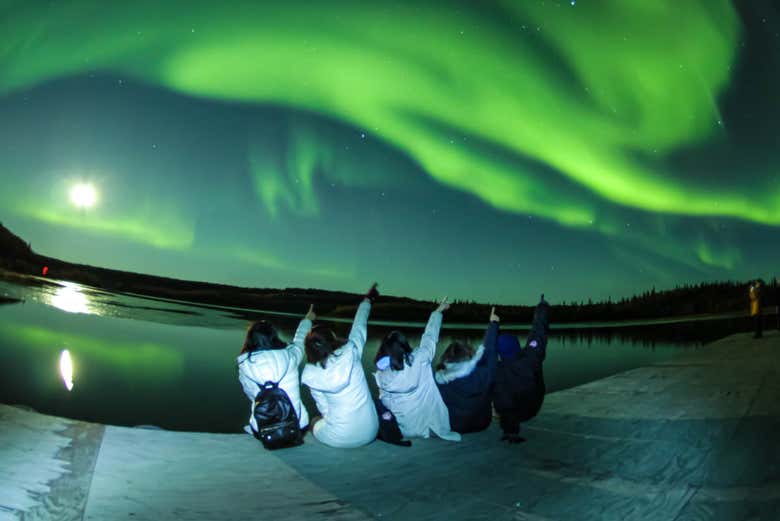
(695, 438)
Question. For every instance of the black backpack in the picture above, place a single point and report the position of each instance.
(389, 431)
(277, 422)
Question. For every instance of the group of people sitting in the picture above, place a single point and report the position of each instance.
(456, 396)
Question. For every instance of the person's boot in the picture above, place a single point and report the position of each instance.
(512, 438)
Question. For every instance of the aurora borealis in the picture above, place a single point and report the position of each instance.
(487, 151)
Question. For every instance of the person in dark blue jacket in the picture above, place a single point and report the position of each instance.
(465, 381)
(519, 389)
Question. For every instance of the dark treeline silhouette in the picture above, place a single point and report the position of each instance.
(17, 256)
(706, 298)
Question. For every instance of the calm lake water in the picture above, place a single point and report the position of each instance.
(141, 361)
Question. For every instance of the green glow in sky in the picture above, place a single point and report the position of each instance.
(583, 116)
(582, 90)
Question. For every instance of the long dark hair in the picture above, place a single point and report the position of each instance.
(397, 348)
(457, 351)
(261, 336)
(320, 343)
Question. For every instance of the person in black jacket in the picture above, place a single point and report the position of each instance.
(519, 389)
(465, 381)
(777, 302)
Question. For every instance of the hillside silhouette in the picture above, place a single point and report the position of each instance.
(708, 298)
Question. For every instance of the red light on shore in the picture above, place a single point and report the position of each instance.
(45, 270)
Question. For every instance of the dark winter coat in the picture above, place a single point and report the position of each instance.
(466, 387)
(519, 389)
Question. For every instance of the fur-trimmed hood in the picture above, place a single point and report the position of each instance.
(454, 370)
(466, 387)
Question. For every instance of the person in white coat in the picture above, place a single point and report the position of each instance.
(406, 385)
(334, 373)
(265, 357)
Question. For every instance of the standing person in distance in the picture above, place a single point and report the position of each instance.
(755, 307)
(265, 357)
(334, 373)
(406, 386)
(777, 302)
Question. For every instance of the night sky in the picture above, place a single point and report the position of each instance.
(486, 150)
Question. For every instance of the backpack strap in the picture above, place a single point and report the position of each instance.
(276, 384)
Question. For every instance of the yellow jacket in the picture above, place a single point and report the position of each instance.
(755, 300)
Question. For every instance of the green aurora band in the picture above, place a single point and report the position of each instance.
(418, 79)
(536, 108)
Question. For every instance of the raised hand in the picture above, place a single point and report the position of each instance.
(443, 305)
(493, 316)
(311, 315)
(372, 293)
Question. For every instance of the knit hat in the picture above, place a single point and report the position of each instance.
(508, 346)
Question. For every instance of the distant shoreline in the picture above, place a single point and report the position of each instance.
(689, 303)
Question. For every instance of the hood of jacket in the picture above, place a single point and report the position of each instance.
(260, 365)
(337, 371)
(454, 370)
(403, 381)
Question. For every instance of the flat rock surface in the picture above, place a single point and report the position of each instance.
(694, 438)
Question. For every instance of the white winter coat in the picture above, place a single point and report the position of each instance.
(341, 392)
(277, 365)
(412, 395)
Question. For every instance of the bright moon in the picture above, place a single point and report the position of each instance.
(83, 195)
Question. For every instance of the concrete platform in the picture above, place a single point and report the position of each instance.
(691, 439)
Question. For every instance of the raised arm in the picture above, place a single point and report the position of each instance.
(490, 342)
(541, 324)
(430, 337)
(300, 334)
(358, 334)
(359, 331)
(296, 348)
